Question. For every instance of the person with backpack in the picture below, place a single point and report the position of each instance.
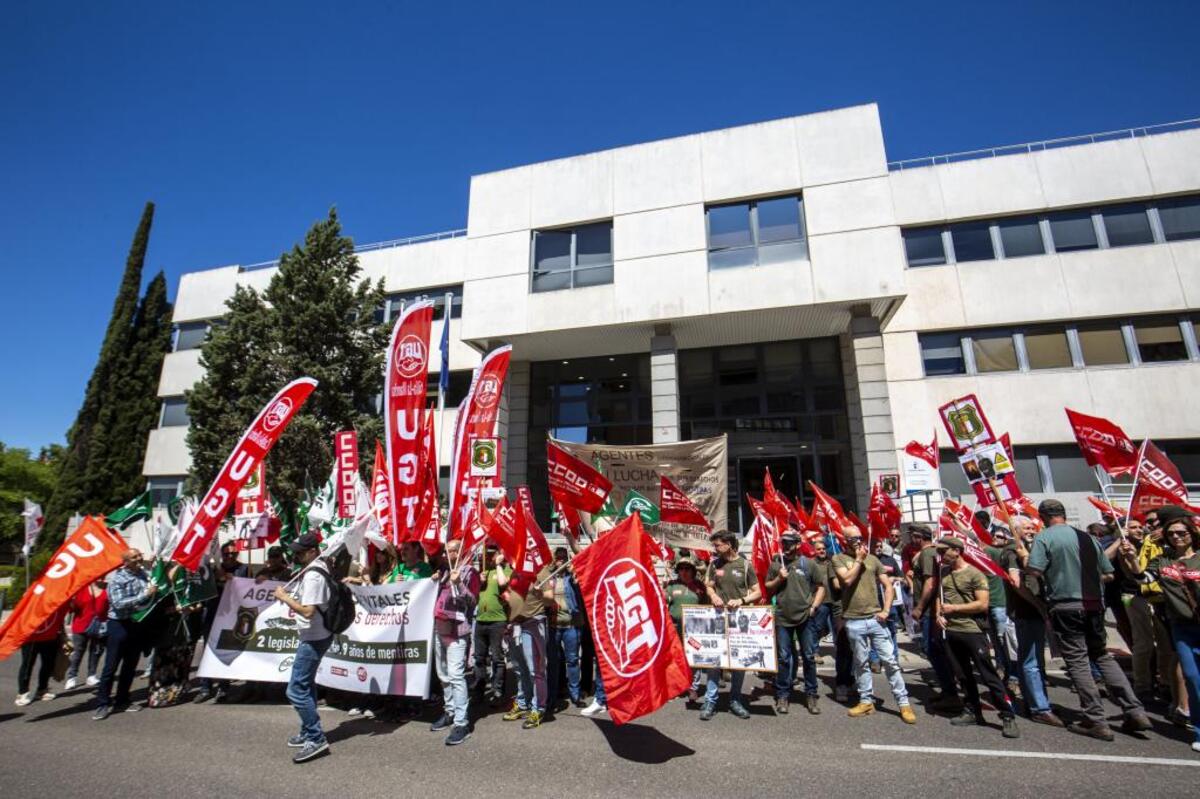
(311, 598)
(1074, 570)
(796, 585)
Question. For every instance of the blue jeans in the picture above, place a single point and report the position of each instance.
(599, 695)
(564, 648)
(450, 658)
(1001, 634)
(1031, 654)
(935, 649)
(865, 634)
(302, 689)
(736, 678)
(528, 650)
(1187, 647)
(786, 640)
(890, 626)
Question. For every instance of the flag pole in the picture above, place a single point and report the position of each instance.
(1104, 493)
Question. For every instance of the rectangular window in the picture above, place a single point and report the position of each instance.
(1160, 340)
(1102, 344)
(164, 489)
(190, 335)
(1069, 470)
(923, 246)
(1047, 349)
(942, 354)
(994, 351)
(174, 412)
(1021, 236)
(1126, 225)
(1073, 230)
(1180, 218)
(756, 232)
(572, 257)
(395, 303)
(972, 241)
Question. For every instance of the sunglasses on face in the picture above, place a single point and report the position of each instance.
(1179, 531)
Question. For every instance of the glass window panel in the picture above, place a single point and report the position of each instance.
(923, 246)
(1073, 231)
(1159, 341)
(729, 226)
(1185, 454)
(1069, 470)
(1126, 225)
(972, 242)
(174, 412)
(779, 220)
(552, 251)
(1047, 349)
(994, 352)
(729, 259)
(551, 281)
(1021, 236)
(190, 336)
(951, 474)
(593, 245)
(1102, 345)
(163, 490)
(595, 276)
(783, 251)
(1180, 218)
(942, 354)
(1029, 476)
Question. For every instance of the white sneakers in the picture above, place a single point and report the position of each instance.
(69, 684)
(46, 697)
(23, 700)
(1196, 746)
(594, 709)
(93, 680)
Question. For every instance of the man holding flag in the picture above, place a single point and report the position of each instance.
(731, 583)
(795, 584)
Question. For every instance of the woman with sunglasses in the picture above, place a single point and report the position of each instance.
(1177, 571)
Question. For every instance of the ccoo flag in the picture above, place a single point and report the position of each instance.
(639, 653)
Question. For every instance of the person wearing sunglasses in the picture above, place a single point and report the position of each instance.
(1177, 572)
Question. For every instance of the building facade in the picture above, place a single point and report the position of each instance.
(782, 283)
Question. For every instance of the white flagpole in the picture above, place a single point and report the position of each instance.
(447, 309)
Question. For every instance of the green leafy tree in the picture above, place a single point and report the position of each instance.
(104, 451)
(22, 476)
(316, 317)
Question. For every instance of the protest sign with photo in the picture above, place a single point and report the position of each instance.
(740, 640)
(385, 651)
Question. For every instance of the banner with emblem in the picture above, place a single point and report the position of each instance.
(476, 419)
(404, 403)
(387, 650)
(250, 451)
(966, 423)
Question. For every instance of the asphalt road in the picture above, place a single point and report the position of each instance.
(53, 749)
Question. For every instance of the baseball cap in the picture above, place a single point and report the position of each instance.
(1051, 507)
(305, 542)
(920, 531)
(949, 541)
(790, 537)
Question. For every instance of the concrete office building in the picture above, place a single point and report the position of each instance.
(786, 285)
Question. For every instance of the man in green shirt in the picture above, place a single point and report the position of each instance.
(1074, 570)
(962, 614)
(491, 619)
(860, 573)
(925, 574)
(730, 583)
(686, 589)
(412, 565)
(1001, 630)
(797, 590)
(828, 619)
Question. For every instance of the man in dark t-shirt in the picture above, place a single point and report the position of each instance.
(730, 583)
(796, 587)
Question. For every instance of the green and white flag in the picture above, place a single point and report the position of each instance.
(636, 502)
(137, 509)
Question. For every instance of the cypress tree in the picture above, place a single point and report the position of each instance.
(317, 318)
(84, 481)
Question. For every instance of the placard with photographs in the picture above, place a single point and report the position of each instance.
(738, 640)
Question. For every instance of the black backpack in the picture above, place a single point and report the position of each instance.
(339, 611)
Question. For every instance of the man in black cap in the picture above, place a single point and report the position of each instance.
(1074, 571)
(307, 596)
(731, 583)
(797, 590)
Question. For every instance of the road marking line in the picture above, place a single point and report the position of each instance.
(942, 750)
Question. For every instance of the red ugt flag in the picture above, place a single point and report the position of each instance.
(1103, 444)
(574, 483)
(640, 655)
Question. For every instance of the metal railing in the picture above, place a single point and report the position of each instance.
(1048, 144)
(377, 245)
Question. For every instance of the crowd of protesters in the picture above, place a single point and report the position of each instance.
(973, 628)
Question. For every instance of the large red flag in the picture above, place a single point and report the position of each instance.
(250, 451)
(828, 511)
(537, 549)
(676, 507)
(429, 525)
(973, 553)
(882, 515)
(964, 515)
(640, 655)
(573, 482)
(476, 418)
(765, 543)
(404, 390)
(381, 502)
(1156, 470)
(1108, 508)
(926, 452)
(1103, 444)
(774, 503)
(87, 554)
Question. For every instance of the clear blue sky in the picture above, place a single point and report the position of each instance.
(244, 122)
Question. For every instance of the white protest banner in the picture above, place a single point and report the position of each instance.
(385, 651)
(740, 640)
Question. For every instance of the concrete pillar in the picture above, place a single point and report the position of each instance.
(872, 445)
(664, 386)
(513, 424)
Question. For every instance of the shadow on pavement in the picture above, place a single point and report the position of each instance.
(9, 716)
(641, 744)
(360, 726)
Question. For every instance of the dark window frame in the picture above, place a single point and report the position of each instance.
(573, 269)
(757, 247)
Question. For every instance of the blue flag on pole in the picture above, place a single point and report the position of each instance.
(444, 377)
